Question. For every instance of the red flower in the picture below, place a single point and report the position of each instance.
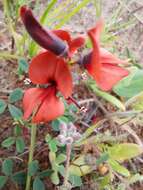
(73, 44)
(50, 40)
(101, 64)
(43, 103)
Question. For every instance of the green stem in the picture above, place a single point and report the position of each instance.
(31, 152)
(68, 153)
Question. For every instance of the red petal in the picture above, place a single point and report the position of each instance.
(64, 35)
(44, 103)
(63, 78)
(96, 31)
(46, 68)
(51, 108)
(31, 100)
(42, 68)
(94, 67)
(107, 57)
(44, 38)
(75, 44)
(110, 75)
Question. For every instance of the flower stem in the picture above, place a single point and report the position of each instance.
(75, 102)
(31, 152)
(68, 152)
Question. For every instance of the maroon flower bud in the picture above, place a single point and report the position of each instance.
(44, 38)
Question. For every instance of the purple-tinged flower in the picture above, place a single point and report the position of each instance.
(45, 38)
(68, 133)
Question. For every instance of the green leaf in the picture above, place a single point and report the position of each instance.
(118, 168)
(136, 102)
(7, 167)
(138, 105)
(55, 125)
(75, 180)
(121, 186)
(61, 158)
(135, 178)
(88, 132)
(45, 173)
(22, 66)
(15, 95)
(108, 97)
(20, 144)
(33, 168)
(48, 138)
(17, 131)
(38, 184)
(3, 106)
(15, 112)
(121, 152)
(79, 170)
(52, 157)
(43, 19)
(131, 85)
(55, 166)
(73, 108)
(61, 170)
(103, 158)
(3, 180)
(104, 181)
(53, 145)
(63, 119)
(19, 178)
(8, 142)
(55, 178)
(79, 167)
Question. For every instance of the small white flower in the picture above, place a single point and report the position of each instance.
(83, 109)
(61, 139)
(84, 76)
(68, 133)
(27, 81)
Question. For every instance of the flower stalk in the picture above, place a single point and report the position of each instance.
(31, 153)
(68, 154)
(68, 135)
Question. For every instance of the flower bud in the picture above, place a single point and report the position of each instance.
(61, 139)
(71, 128)
(86, 59)
(77, 136)
(69, 140)
(44, 38)
(63, 127)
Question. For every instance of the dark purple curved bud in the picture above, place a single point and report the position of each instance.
(44, 38)
(86, 59)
